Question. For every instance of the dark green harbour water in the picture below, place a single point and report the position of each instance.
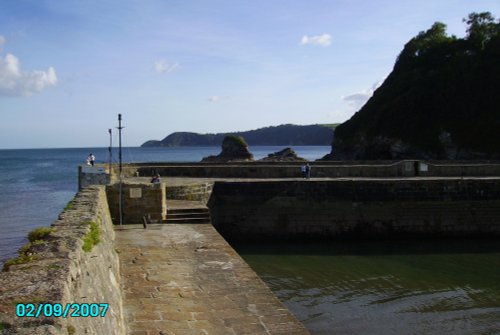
(391, 287)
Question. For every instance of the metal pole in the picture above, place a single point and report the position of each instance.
(120, 200)
(120, 141)
(110, 151)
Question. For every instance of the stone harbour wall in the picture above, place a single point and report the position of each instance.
(92, 175)
(138, 200)
(361, 208)
(259, 170)
(55, 268)
(370, 169)
(192, 192)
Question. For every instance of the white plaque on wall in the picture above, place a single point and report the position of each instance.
(136, 192)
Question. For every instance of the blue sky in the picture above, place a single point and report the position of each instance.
(67, 68)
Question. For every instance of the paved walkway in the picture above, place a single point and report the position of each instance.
(186, 279)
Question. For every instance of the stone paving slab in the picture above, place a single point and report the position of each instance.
(186, 279)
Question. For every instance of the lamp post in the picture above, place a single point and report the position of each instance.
(110, 149)
(120, 141)
(120, 195)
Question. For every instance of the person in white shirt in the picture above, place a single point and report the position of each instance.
(91, 159)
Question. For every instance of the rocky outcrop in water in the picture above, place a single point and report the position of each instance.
(285, 155)
(234, 149)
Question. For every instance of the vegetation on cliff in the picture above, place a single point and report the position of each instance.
(440, 101)
(93, 237)
(286, 135)
(27, 252)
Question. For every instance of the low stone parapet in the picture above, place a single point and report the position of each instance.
(72, 262)
(334, 169)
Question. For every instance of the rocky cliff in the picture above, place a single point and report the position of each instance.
(440, 101)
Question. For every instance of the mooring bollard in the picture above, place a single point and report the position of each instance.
(145, 220)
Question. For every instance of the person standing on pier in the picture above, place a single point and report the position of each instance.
(308, 171)
(91, 159)
(303, 171)
(156, 178)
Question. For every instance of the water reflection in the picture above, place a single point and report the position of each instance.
(406, 287)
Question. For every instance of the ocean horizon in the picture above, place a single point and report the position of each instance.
(37, 183)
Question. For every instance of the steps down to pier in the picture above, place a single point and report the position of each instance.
(181, 212)
(188, 215)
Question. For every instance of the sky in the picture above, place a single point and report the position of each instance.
(68, 68)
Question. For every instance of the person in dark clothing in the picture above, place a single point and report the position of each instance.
(308, 171)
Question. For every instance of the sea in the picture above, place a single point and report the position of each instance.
(342, 287)
(36, 184)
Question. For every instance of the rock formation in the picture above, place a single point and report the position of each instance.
(285, 155)
(234, 149)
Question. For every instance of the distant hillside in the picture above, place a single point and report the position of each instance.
(442, 100)
(287, 135)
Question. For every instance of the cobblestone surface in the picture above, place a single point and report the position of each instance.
(186, 279)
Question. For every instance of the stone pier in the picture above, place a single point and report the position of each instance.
(186, 279)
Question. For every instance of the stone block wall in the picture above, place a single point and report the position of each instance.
(327, 209)
(263, 170)
(463, 169)
(58, 270)
(138, 199)
(406, 168)
(92, 175)
(192, 192)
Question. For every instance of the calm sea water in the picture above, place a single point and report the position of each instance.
(35, 185)
(433, 287)
(409, 287)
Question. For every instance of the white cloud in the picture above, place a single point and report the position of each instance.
(357, 100)
(2, 42)
(321, 40)
(162, 66)
(15, 82)
(214, 99)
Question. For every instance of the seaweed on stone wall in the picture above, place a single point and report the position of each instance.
(93, 237)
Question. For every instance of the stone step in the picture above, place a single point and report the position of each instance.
(188, 214)
(187, 210)
(186, 220)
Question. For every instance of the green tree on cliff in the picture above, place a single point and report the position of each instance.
(441, 87)
(481, 28)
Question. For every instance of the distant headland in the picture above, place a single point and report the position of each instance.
(286, 135)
